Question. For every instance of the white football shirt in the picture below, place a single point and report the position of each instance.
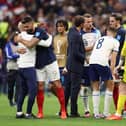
(27, 59)
(102, 50)
(89, 39)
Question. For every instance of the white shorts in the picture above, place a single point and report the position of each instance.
(49, 72)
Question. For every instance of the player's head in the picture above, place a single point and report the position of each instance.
(111, 31)
(79, 21)
(115, 19)
(88, 21)
(28, 24)
(43, 25)
(61, 26)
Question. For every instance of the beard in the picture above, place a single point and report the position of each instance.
(30, 31)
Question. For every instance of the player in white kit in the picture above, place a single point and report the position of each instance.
(105, 49)
(89, 36)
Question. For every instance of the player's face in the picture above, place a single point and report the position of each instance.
(88, 23)
(60, 28)
(28, 27)
(112, 22)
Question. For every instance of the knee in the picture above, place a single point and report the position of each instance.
(40, 86)
(57, 84)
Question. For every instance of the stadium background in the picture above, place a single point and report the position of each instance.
(50, 10)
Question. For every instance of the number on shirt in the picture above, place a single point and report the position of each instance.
(99, 45)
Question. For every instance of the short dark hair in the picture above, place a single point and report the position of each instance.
(26, 19)
(64, 22)
(78, 20)
(87, 15)
(117, 16)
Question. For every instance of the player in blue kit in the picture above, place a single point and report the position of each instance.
(115, 20)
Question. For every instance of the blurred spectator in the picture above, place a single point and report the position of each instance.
(13, 79)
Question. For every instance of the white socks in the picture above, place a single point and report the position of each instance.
(84, 92)
(107, 102)
(96, 101)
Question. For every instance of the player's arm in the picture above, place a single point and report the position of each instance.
(113, 56)
(21, 50)
(34, 41)
(113, 61)
(40, 34)
(9, 52)
(46, 43)
(89, 48)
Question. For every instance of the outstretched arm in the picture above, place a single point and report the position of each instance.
(46, 43)
(28, 43)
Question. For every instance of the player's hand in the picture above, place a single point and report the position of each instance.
(87, 60)
(18, 38)
(21, 50)
(116, 69)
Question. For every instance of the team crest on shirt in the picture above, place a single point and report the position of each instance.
(118, 37)
(37, 34)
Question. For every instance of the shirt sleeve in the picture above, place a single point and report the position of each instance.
(116, 46)
(41, 34)
(9, 52)
(46, 43)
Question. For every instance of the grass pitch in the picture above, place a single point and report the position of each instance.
(51, 106)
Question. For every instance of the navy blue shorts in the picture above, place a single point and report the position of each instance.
(98, 72)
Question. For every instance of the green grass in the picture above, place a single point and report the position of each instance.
(51, 106)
